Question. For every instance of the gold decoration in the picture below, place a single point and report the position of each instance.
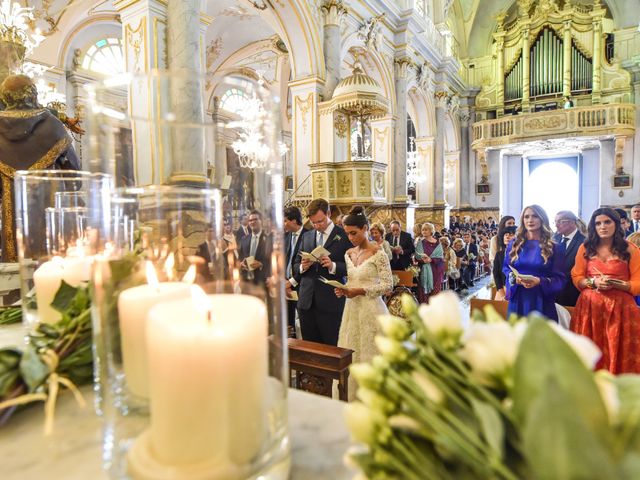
(7, 173)
(344, 184)
(364, 187)
(380, 137)
(341, 125)
(304, 106)
(319, 186)
(135, 39)
(378, 184)
(332, 184)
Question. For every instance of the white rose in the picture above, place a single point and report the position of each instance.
(609, 393)
(390, 349)
(441, 316)
(394, 327)
(366, 375)
(362, 422)
(584, 347)
(490, 349)
(430, 389)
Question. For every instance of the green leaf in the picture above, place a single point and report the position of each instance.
(628, 416)
(491, 426)
(545, 357)
(630, 467)
(9, 373)
(64, 296)
(34, 371)
(559, 443)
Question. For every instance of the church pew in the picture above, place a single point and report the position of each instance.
(317, 365)
(499, 305)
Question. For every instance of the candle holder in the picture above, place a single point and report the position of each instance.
(52, 237)
(192, 370)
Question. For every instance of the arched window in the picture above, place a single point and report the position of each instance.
(233, 100)
(105, 57)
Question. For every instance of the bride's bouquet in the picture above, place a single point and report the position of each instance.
(495, 400)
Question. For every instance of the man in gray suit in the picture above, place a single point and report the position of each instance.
(568, 236)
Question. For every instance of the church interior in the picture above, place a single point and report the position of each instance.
(211, 118)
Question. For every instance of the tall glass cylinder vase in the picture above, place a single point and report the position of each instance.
(190, 338)
(52, 237)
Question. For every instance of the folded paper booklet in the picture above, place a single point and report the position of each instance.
(316, 254)
(615, 281)
(249, 261)
(293, 296)
(333, 283)
(521, 276)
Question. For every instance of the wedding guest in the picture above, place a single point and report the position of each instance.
(634, 239)
(417, 234)
(319, 310)
(568, 235)
(255, 251)
(505, 221)
(507, 234)
(451, 271)
(292, 241)
(532, 252)
(243, 230)
(339, 220)
(377, 232)
(471, 255)
(635, 218)
(607, 273)
(624, 221)
(368, 278)
(458, 248)
(401, 247)
(206, 252)
(430, 257)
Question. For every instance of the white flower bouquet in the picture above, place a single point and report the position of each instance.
(498, 400)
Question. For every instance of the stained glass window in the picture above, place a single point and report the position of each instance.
(234, 100)
(105, 57)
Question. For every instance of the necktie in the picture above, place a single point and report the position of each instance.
(320, 239)
(294, 240)
(565, 240)
(254, 245)
(637, 228)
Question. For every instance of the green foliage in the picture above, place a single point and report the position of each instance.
(10, 315)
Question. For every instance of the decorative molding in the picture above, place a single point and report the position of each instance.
(370, 32)
(213, 51)
(380, 137)
(341, 125)
(402, 65)
(135, 39)
(333, 11)
(442, 98)
(304, 106)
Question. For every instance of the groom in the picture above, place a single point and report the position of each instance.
(319, 309)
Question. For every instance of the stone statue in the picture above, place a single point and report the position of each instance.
(425, 78)
(370, 32)
(31, 138)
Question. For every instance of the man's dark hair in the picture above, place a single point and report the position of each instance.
(395, 222)
(318, 205)
(293, 213)
(256, 212)
(621, 213)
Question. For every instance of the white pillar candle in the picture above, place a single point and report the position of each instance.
(46, 281)
(208, 380)
(133, 307)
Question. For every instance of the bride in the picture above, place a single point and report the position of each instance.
(368, 278)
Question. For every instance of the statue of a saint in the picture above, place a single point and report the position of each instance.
(31, 138)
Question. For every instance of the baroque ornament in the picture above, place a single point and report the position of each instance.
(370, 32)
(341, 125)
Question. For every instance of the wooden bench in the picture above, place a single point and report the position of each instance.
(499, 305)
(405, 278)
(317, 365)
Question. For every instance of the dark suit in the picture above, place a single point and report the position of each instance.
(240, 234)
(469, 271)
(401, 262)
(291, 254)
(319, 309)
(568, 296)
(263, 255)
(204, 252)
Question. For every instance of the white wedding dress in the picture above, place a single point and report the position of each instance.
(359, 320)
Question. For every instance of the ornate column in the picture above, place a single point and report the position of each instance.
(465, 142)
(185, 55)
(305, 96)
(499, 38)
(333, 11)
(424, 190)
(400, 141)
(442, 99)
(526, 69)
(596, 15)
(566, 61)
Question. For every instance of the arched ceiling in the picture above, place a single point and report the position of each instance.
(479, 19)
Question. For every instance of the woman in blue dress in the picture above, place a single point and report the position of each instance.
(533, 254)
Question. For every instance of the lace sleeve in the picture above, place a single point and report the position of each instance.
(384, 274)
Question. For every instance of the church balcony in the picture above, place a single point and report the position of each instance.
(589, 121)
(344, 183)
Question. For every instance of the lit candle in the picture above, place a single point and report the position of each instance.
(133, 307)
(208, 381)
(47, 280)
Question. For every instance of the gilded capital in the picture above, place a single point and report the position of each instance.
(402, 65)
(442, 98)
(333, 11)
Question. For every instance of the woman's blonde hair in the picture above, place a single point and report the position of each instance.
(546, 244)
(430, 226)
(417, 230)
(634, 238)
(456, 242)
(378, 226)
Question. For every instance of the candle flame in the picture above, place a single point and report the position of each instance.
(152, 277)
(190, 276)
(168, 266)
(201, 301)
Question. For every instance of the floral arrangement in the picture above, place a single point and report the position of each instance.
(500, 399)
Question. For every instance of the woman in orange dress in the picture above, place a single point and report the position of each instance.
(607, 273)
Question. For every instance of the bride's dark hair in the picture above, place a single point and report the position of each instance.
(356, 217)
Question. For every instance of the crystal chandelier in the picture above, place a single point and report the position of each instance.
(15, 21)
(414, 175)
(250, 146)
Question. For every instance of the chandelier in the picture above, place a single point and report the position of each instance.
(414, 174)
(250, 146)
(15, 26)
